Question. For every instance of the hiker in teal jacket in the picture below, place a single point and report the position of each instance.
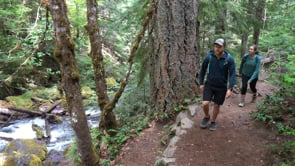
(249, 70)
(220, 66)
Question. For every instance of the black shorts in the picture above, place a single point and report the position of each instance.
(215, 94)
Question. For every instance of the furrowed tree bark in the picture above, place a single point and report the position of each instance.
(174, 61)
(64, 51)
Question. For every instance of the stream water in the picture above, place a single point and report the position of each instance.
(61, 134)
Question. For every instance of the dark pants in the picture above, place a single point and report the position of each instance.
(245, 80)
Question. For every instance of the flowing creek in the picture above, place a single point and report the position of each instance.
(61, 134)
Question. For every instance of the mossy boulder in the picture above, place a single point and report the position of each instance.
(6, 160)
(26, 152)
(21, 159)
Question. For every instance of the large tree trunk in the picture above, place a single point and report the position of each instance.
(108, 119)
(174, 60)
(64, 51)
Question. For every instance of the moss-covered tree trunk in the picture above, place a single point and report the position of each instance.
(107, 119)
(64, 51)
(174, 60)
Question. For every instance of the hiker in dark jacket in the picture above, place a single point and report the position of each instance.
(249, 70)
(219, 82)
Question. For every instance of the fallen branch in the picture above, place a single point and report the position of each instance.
(267, 60)
(31, 112)
(6, 138)
(37, 100)
(53, 106)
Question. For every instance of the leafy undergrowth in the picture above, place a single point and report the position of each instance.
(108, 146)
(278, 111)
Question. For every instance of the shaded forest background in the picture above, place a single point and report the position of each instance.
(28, 66)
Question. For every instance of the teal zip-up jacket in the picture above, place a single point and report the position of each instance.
(250, 67)
(220, 71)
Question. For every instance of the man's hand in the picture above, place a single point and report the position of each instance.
(228, 93)
(202, 88)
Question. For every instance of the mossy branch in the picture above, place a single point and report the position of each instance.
(111, 105)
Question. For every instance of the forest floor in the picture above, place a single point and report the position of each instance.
(238, 140)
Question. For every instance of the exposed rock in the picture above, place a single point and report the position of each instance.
(24, 152)
(56, 158)
(182, 123)
(38, 130)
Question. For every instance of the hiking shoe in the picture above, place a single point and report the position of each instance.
(204, 122)
(213, 126)
(242, 104)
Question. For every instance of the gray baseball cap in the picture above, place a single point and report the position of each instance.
(220, 42)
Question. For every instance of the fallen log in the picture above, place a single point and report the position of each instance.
(267, 60)
(30, 112)
(3, 123)
(6, 138)
(5, 112)
(53, 106)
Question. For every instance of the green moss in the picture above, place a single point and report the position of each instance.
(75, 74)
(10, 161)
(38, 130)
(7, 160)
(111, 82)
(35, 161)
(22, 101)
(23, 159)
(26, 146)
(87, 92)
(47, 93)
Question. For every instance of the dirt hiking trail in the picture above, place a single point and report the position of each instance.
(238, 140)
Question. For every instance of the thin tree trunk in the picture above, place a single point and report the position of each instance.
(221, 21)
(107, 119)
(174, 60)
(96, 53)
(245, 36)
(64, 51)
(244, 44)
(259, 20)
